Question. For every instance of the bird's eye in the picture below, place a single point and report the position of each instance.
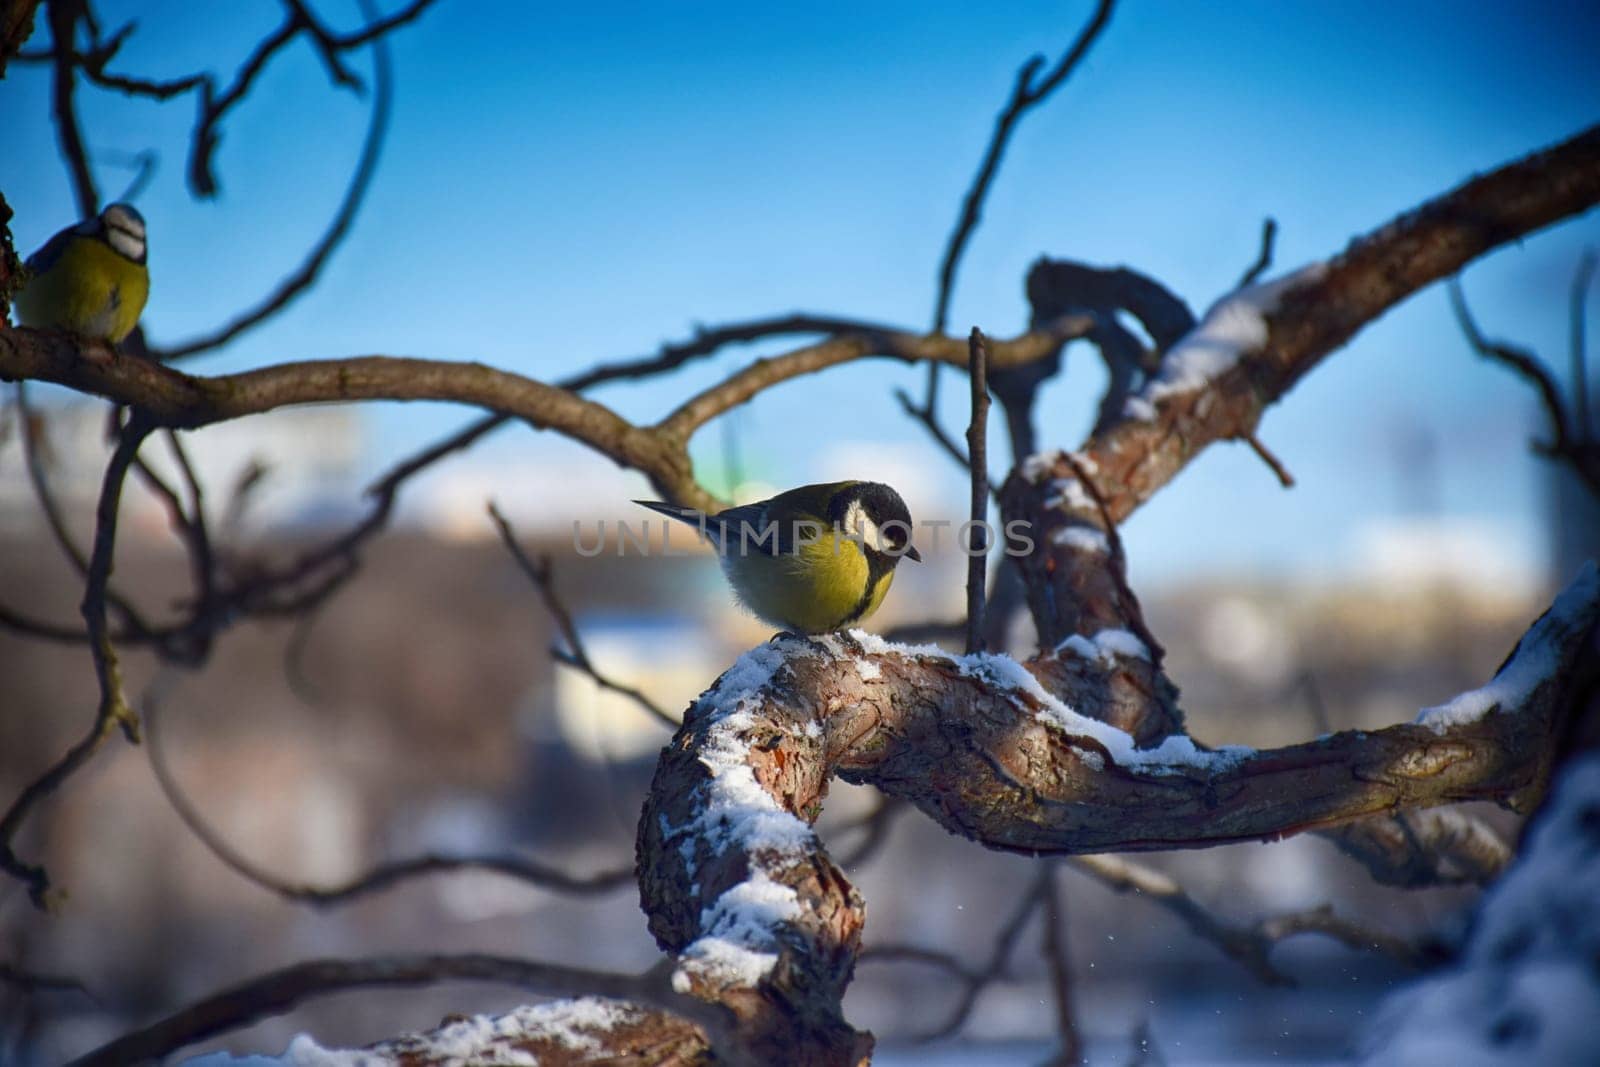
(896, 533)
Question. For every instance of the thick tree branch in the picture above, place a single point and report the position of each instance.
(1323, 307)
(1019, 757)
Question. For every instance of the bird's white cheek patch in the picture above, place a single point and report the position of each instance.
(126, 243)
(858, 525)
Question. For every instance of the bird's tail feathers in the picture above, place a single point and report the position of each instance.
(706, 524)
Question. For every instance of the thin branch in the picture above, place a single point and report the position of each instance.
(1024, 96)
(63, 34)
(113, 711)
(380, 878)
(1269, 233)
(1581, 278)
(1250, 945)
(30, 982)
(1520, 361)
(1054, 950)
(575, 655)
(925, 415)
(280, 991)
(306, 274)
(973, 982)
(1273, 462)
(877, 823)
(978, 454)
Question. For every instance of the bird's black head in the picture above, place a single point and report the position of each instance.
(875, 513)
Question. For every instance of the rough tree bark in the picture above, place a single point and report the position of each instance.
(1079, 750)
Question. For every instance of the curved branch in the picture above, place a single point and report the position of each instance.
(1253, 346)
(366, 166)
(762, 921)
(382, 877)
(279, 991)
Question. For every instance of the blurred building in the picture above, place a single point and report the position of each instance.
(239, 462)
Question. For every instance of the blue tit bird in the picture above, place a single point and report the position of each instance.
(89, 279)
(812, 560)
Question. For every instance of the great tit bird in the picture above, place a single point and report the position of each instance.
(814, 559)
(89, 279)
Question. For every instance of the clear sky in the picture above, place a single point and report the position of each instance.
(565, 185)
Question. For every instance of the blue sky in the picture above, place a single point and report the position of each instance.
(563, 186)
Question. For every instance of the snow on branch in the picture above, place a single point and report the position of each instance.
(1004, 753)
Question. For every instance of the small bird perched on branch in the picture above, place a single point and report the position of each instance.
(89, 279)
(814, 559)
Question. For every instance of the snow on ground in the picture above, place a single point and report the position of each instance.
(1527, 988)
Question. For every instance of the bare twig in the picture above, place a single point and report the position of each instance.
(113, 711)
(366, 166)
(63, 36)
(978, 460)
(574, 655)
(382, 877)
(30, 982)
(925, 415)
(876, 825)
(1025, 94)
(1571, 439)
(1521, 362)
(973, 982)
(1269, 232)
(1581, 278)
(1284, 477)
(1251, 945)
(280, 991)
(1054, 949)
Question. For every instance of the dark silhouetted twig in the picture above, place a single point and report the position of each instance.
(382, 877)
(1284, 477)
(575, 655)
(978, 460)
(1269, 233)
(113, 711)
(280, 991)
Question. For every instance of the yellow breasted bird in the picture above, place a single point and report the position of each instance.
(89, 279)
(811, 560)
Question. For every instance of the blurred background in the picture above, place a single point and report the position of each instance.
(563, 187)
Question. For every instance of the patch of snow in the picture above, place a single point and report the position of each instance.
(868, 670)
(737, 813)
(1175, 754)
(739, 946)
(1068, 492)
(1106, 646)
(1139, 409)
(1235, 325)
(1082, 539)
(1122, 643)
(304, 1051)
(1039, 465)
(1534, 660)
(1526, 989)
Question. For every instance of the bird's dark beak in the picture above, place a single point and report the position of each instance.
(911, 551)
